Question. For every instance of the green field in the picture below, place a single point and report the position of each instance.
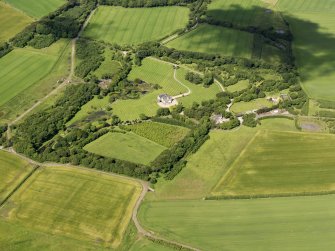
(126, 146)
(313, 27)
(12, 170)
(12, 22)
(36, 8)
(295, 223)
(147, 245)
(135, 25)
(108, 66)
(213, 39)
(282, 163)
(241, 85)
(163, 134)
(76, 203)
(251, 105)
(158, 72)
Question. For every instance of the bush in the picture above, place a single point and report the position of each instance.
(250, 120)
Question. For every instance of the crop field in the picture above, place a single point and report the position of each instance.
(75, 203)
(157, 72)
(12, 22)
(163, 134)
(294, 223)
(12, 170)
(126, 146)
(135, 25)
(251, 105)
(313, 27)
(282, 163)
(213, 39)
(36, 8)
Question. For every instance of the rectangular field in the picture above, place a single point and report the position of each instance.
(135, 25)
(286, 224)
(12, 171)
(12, 22)
(36, 8)
(126, 146)
(215, 40)
(282, 163)
(251, 105)
(77, 203)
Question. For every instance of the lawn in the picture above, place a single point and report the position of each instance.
(135, 25)
(294, 223)
(36, 8)
(282, 163)
(214, 39)
(251, 105)
(108, 66)
(158, 72)
(27, 75)
(313, 26)
(163, 134)
(12, 22)
(241, 85)
(126, 146)
(76, 203)
(12, 171)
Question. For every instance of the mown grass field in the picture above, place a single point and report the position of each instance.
(135, 25)
(160, 73)
(75, 203)
(12, 22)
(12, 171)
(251, 105)
(295, 223)
(36, 8)
(27, 75)
(282, 163)
(313, 26)
(241, 85)
(163, 134)
(213, 39)
(126, 146)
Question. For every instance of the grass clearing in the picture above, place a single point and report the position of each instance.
(163, 134)
(148, 245)
(126, 146)
(282, 163)
(251, 105)
(295, 223)
(12, 171)
(108, 66)
(214, 39)
(75, 203)
(12, 22)
(135, 25)
(241, 85)
(36, 8)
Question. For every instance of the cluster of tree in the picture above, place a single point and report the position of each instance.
(250, 94)
(326, 104)
(3, 129)
(231, 124)
(5, 48)
(65, 22)
(194, 78)
(91, 55)
(144, 3)
(250, 120)
(42, 126)
(161, 112)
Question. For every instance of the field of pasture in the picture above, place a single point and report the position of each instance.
(135, 25)
(75, 203)
(163, 134)
(12, 21)
(282, 163)
(126, 146)
(251, 105)
(294, 223)
(36, 8)
(213, 39)
(158, 72)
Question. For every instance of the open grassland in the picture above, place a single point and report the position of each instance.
(36, 8)
(126, 146)
(108, 66)
(27, 75)
(241, 85)
(282, 163)
(313, 26)
(12, 171)
(213, 39)
(76, 203)
(251, 105)
(163, 134)
(12, 22)
(158, 72)
(295, 223)
(135, 25)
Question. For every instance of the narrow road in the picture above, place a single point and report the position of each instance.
(189, 91)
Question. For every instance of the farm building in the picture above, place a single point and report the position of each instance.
(165, 99)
